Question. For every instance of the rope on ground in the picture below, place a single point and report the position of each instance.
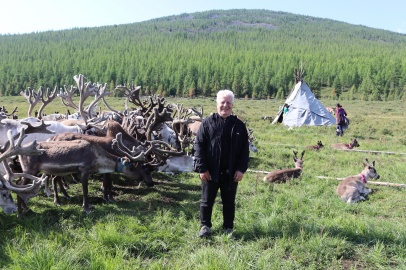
(258, 171)
(281, 144)
(373, 152)
(341, 179)
(369, 182)
(348, 150)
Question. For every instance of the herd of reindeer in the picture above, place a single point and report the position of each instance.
(152, 136)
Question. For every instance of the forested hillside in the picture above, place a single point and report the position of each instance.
(252, 52)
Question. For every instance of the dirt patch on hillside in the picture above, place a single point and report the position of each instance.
(264, 25)
(214, 16)
(187, 18)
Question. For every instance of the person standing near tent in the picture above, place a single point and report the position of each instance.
(285, 108)
(221, 158)
(340, 117)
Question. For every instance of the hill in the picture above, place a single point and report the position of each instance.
(252, 52)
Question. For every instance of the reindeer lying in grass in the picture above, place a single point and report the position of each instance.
(346, 146)
(352, 189)
(315, 147)
(331, 110)
(279, 176)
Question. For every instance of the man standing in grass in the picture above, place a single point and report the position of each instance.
(221, 156)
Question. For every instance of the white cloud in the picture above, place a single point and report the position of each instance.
(399, 30)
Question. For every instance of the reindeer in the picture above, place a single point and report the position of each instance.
(6, 179)
(315, 147)
(198, 118)
(267, 118)
(12, 114)
(251, 140)
(83, 157)
(53, 128)
(180, 126)
(279, 176)
(178, 164)
(352, 188)
(331, 110)
(129, 141)
(345, 146)
(85, 89)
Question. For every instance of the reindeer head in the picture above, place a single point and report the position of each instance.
(354, 143)
(298, 162)
(319, 144)
(6, 201)
(370, 170)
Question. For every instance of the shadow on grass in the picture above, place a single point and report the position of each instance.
(167, 193)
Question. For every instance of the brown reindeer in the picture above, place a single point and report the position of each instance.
(315, 147)
(129, 141)
(279, 176)
(346, 146)
(331, 110)
(352, 189)
(83, 157)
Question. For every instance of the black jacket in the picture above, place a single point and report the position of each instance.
(208, 146)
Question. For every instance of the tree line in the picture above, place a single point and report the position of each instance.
(252, 52)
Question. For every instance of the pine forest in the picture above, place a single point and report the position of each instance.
(252, 52)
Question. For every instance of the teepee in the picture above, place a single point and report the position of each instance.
(304, 108)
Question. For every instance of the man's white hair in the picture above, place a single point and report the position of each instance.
(224, 93)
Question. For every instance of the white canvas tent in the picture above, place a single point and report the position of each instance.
(304, 109)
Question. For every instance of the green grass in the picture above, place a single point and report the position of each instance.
(298, 225)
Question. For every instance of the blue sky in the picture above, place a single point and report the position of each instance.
(27, 16)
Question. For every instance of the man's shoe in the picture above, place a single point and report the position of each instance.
(230, 232)
(205, 232)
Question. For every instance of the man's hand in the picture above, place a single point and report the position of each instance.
(238, 176)
(205, 176)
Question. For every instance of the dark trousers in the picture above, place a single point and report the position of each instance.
(209, 193)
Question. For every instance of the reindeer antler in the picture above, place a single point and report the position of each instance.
(86, 89)
(132, 95)
(373, 162)
(37, 129)
(46, 102)
(66, 97)
(28, 130)
(33, 98)
(99, 95)
(155, 119)
(120, 148)
(26, 191)
(301, 157)
(14, 111)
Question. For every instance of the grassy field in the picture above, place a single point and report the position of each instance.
(298, 225)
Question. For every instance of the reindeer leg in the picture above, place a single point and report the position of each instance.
(85, 186)
(354, 196)
(62, 188)
(107, 182)
(366, 191)
(47, 191)
(75, 178)
(20, 202)
(65, 185)
(106, 188)
(54, 186)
